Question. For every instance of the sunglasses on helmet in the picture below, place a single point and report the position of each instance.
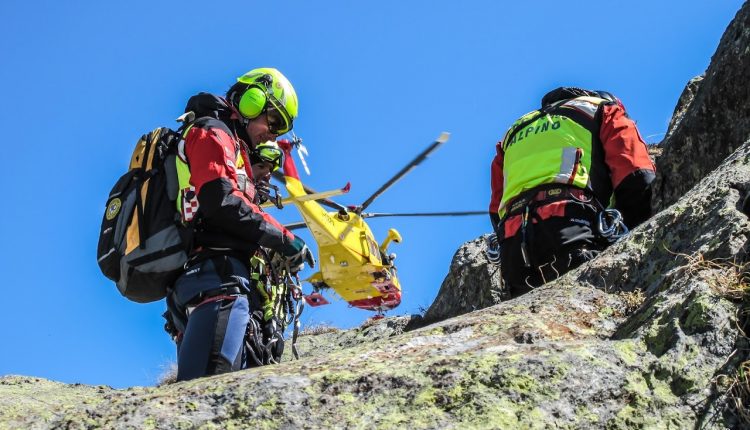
(278, 122)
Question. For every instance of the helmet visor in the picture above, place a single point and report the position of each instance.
(279, 121)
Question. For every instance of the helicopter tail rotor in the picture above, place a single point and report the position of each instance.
(301, 152)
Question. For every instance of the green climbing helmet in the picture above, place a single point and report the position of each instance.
(268, 152)
(269, 92)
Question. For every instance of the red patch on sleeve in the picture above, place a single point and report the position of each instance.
(496, 180)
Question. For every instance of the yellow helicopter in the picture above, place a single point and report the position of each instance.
(351, 262)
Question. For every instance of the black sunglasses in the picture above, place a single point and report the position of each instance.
(276, 122)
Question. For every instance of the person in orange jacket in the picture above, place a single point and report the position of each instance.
(567, 180)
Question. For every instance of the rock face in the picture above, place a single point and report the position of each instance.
(650, 334)
(641, 337)
(582, 352)
(323, 342)
(717, 121)
(686, 98)
(472, 283)
(571, 354)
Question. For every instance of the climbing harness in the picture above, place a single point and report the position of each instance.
(610, 226)
(281, 293)
(295, 287)
(524, 239)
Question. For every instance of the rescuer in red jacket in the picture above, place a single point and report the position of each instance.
(211, 302)
(567, 180)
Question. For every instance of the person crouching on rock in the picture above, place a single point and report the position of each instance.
(554, 175)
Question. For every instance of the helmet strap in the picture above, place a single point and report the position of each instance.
(241, 131)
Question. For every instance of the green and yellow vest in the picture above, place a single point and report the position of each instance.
(550, 146)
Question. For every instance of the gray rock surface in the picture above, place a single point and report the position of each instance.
(686, 98)
(472, 283)
(328, 340)
(576, 353)
(717, 121)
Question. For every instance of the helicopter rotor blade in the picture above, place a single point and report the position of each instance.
(414, 163)
(421, 214)
(325, 202)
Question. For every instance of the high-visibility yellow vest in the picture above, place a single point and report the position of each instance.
(550, 146)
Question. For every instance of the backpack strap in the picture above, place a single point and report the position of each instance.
(141, 178)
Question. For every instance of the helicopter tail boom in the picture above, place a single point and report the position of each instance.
(323, 194)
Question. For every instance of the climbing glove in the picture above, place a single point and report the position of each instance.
(297, 254)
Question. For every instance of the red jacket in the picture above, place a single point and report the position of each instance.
(228, 218)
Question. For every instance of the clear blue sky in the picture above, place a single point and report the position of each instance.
(377, 82)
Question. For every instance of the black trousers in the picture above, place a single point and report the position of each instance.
(553, 246)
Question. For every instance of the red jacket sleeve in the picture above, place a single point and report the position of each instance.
(211, 154)
(631, 168)
(496, 179)
(496, 184)
(625, 151)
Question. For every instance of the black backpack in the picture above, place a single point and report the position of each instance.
(143, 244)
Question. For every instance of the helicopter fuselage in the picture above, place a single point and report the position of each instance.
(351, 262)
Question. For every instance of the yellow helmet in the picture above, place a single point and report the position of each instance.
(266, 90)
(268, 152)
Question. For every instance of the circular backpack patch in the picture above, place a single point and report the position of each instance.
(113, 209)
